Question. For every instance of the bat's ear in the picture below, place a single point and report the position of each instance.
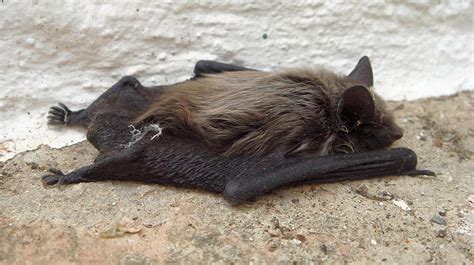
(362, 73)
(357, 105)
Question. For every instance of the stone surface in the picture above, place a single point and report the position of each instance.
(71, 51)
(331, 223)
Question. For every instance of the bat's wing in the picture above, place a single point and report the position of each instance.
(187, 163)
(213, 67)
(292, 171)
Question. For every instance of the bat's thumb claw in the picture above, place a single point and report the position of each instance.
(422, 172)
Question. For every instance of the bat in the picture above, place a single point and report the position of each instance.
(239, 131)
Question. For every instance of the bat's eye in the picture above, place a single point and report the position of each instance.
(368, 130)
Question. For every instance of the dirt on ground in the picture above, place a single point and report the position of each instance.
(394, 219)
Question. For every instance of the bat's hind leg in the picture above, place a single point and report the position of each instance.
(62, 115)
(127, 97)
(113, 166)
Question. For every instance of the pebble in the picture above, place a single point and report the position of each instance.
(402, 204)
(274, 232)
(33, 165)
(296, 241)
(272, 245)
(421, 136)
(438, 219)
(441, 233)
(162, 56)
(301, 238)
(470, 199)
(149, 224)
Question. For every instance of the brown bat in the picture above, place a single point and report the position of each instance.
(239, 131)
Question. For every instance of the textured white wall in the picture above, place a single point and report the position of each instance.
(71, 51)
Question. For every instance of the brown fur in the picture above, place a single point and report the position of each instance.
(293, 112)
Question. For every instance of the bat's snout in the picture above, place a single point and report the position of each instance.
(397, 133)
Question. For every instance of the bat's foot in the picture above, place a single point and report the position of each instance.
(59, 115)
(50, 180)
(59, 178)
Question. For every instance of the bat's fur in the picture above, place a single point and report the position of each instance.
(299, 111)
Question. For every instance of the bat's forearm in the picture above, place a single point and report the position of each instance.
(323, 169)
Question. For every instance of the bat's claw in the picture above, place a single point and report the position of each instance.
(57, 178)
(59, 115)
(422, 172)
(50, 180)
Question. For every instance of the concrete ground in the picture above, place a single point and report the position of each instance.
(392, 220)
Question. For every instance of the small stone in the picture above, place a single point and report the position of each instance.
(373, 242)
(324, 248)
(111, 232)
(301, 238)
(402, 204)
(442, 213)
(421, 136)
(125, 226)
(274, 232)
(132, 259)
(362, 188)
(272, 245)
(470, 199)
(276, 223)
(33, 165)
(441, 233)
(438, 219)
(296, 241)
(149, 224)
(6, 173)
(27, 239)
(162, 56)
(55, 171)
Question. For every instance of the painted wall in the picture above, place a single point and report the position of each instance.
(71, 51)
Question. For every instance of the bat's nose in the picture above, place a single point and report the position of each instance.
(397, 133)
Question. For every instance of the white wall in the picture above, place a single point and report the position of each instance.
(71, 51)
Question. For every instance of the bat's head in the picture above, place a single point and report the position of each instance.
(368, 125)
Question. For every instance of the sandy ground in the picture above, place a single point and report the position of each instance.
(392, 220)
